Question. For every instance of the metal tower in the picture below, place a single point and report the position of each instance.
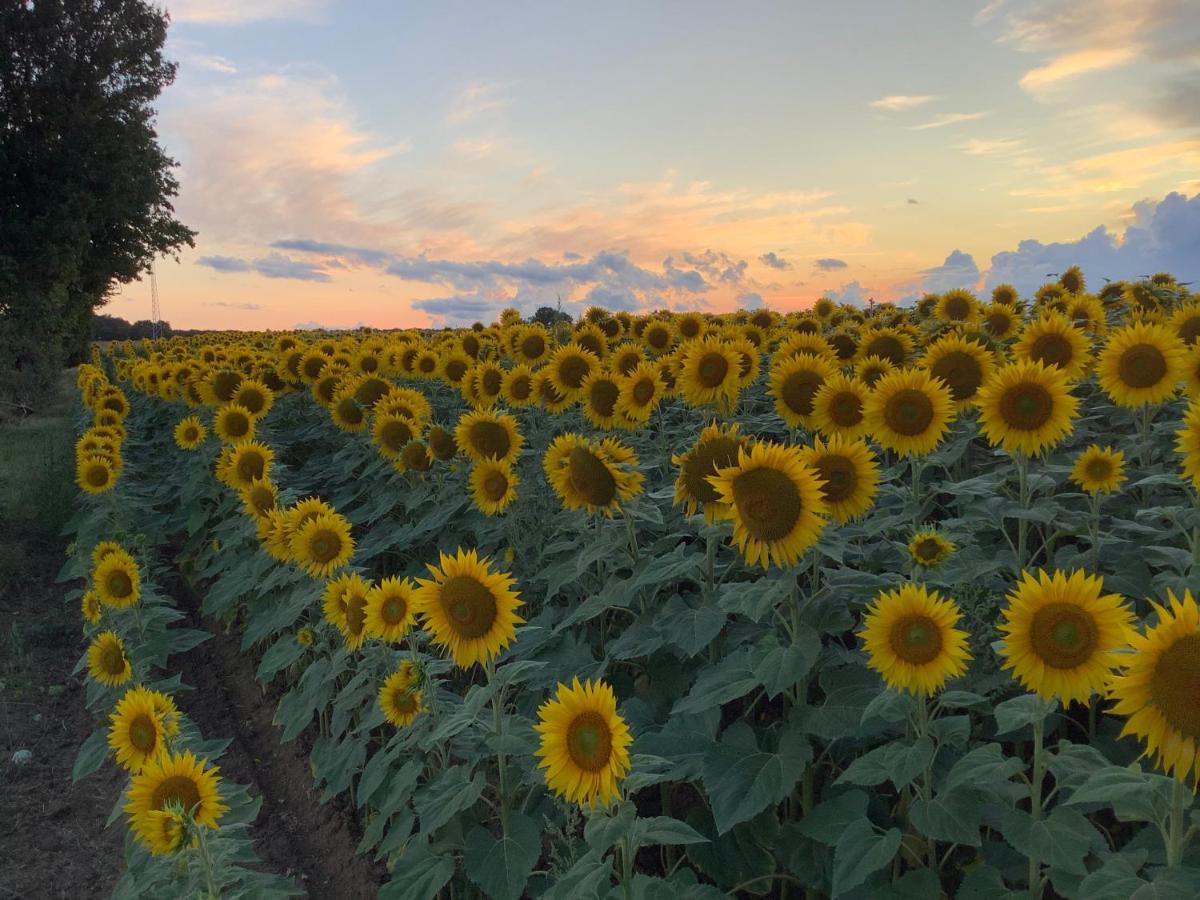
(155, 312)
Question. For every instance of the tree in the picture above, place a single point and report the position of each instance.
(549, 316)
(85, 188)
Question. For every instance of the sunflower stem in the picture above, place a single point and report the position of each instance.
(1094, 530)
(710, 549)
(206, 864)
(633, 541)
(1177, 839)
(917, 467)
(1035, 803)
(1022, 462)
(501, 761)
(627, 868)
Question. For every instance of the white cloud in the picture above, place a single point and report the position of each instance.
(943, 119)
(958, 271)
(239, 12)
(898, 102)
(474, 100)
(979, 147)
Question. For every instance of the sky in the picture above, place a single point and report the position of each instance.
(398, 164)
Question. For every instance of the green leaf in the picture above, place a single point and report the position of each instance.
(500, 866)
(860, 852)
(961, 699)
(691, 629)
(605, 829)
(985, 767)
(741, 779)
(280, 655)
(419, 875)
(952, 815)
(831, 817)
(1117, 879)
(729, 679)
(899, 762)
(1134, 795)
(583, 881)
(1060, 840)
(451, 792)
(986, 883)
(91, 755)
(1018, 712)
(664, 830)
(785, 667)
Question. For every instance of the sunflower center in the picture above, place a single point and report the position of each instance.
(178, 788)
(469, 606)
(1063, 635)
(325, 545)
(717, 453)
(97, 475)
(490, 439)
(689, 328)
(846, 409)
(589, 741)
(495, 486)
(533, 346)
(997, 324)
(427, 364)
(916, 639)
(1175, 685)
(520, 387)
(573, 370)
(604, 397)
(251, 466)
(908, 412)
(1189, 330)
(658, 338)
(491, 382)
(225, 383)
(798, 390)
(643, 392)
(404, 702)
(112, 659)
(395, 434)
(840, 476)
(455, 370)
(768, 502)
(252, 400)
(237, 424)
(590, 477)
(628, 363)
(190, 433)
(957, 308)
(888, 347)
(1052, 350)
(356, 614)
(393, 610)
(143, 733)
(1099, 469)
(844, 346)
(961, 372)
(712, 369)
(929, 549)
(1142, 366)
(1026, 407)
(119, 584)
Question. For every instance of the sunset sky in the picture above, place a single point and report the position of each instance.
(399, 164)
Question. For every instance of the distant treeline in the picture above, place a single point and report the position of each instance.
(114, 328)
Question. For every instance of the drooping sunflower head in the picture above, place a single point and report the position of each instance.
(338, 595)
(468, 609)
(909, 411)
(107, 661)
(962, 365)
(322, 544)
(1026, 407)
(116, 580)
(1141, 364)
(442, 443)
(178, 783)
(482, 435)
(596, 476)
(839, 407)
(415, 457)
(493, 486)
(584, 744)
(90, 608)
(775, 501)
(1054, 341)
(793, 383)
(716, 448)
(1062, 637)
(233, 423)
(190, 433)
(389, 609)
(911, 639)
(929, 548)
(709, 372)
(95, 474)
(1156, 690)
(400, 699)
(1099, 470)
(259, 498)
(849, 475)
(1072, 280)
(136, 730)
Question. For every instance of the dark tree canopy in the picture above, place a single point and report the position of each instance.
(549, 316)
(85, 188)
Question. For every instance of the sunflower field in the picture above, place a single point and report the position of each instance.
(849, 602)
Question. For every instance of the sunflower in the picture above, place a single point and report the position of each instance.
(838, 407)
(116, 580)
(533, 345)
(518, 386)
(489, 383)
(234, 423)
(103, 549)
(347, 414)
(749, 361)
(1141, 364)
(259, 498)
(849, 473)
(869, 369)
(454, 366)
(391, 432)
(958, 306)
(890, 344)
(1062, 639)
(569, 367)
(1026, 407)
(136, 733)
(414, 458)
(107, 662)
(804, 342)
(929, 548)
(775, 501)
(709, 372)
(911, 639)
(640, 391)
(189, 433)
(627, 357)
(255, 397)
(442, 443)
(1099, 470)
(963, 365)
(248, 462)
(1054, 341)
(176, 782)
(1086, 312)
(399, 699)
(467, 608)
(1000, 322)
(1156, 689)
(584, 745)
(389, 609)
(658, 336)
(909, 411)
(716, 448)
(793, 382)
(493, 486)
(482, 435)
(337, 595)
(1187, 444)
(596, 476)
(598, 397)
(322, 544)
(401, 401)
(1185, 322)
(1191, 371)
(95, 474)
(89, 607)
